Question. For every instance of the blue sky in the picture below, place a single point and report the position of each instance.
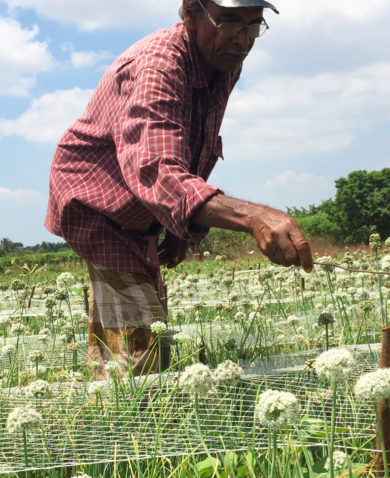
(312, 105)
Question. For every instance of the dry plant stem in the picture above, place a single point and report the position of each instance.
(331, 264)
(383, 411)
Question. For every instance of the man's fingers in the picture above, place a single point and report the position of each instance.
(288, 250)
(303, 250)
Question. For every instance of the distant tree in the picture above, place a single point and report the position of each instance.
(7, 246)
(48, 247)
(361, 205)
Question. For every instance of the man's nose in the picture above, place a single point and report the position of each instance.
(242, 38)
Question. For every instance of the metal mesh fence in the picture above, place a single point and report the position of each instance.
(132, 420)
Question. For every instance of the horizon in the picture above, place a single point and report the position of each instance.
(312, 104)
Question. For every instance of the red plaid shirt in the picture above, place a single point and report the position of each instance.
(138, 159)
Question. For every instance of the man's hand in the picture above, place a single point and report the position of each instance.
(280, 238)
(172, 250)
(277, 234)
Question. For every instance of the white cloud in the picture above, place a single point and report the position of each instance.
(87, 58)
(305, 12)
(304, 188)
(48, 116)
(289, 188)
(282, 116)
(22, 57)
(20, 196)
(95, 14)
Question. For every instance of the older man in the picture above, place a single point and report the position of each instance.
(136, 164)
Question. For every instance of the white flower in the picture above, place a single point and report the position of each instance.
(23, 419)
(18, 329)
(113, 368)
(38, 389)
(339, 459)
(196, 378)
(227, 372)
(8, 350)
(94, 365)
(206, 254)
(373, 386)
(65, 280)
(97, 387)
(182, 337)
(42, 370)
(81, 475)
(292, 319)
(334, 365)
(36, 356)
(158, 327)
(385, 262)
(387, 242)
(276, 409)
(239, 316)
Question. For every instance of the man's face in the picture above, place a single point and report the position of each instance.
(221, 52)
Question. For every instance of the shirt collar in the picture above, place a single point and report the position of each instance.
(198, 72)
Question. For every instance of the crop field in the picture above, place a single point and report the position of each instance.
(274, 373)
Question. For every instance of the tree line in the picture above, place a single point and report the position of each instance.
(8, 247)
(360, 208)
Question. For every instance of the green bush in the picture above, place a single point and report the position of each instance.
(319, 225)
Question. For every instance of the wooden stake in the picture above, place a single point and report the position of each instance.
(383, 407)
(86, 300)
(31, 297)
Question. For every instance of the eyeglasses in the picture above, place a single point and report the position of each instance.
(232, 29)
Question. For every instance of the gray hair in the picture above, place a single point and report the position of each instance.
(192, 7)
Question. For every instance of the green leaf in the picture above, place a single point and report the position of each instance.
(207, 467)
(230, 460)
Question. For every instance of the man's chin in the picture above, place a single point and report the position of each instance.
(229, 67)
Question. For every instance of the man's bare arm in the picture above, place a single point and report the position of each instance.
(277, 234)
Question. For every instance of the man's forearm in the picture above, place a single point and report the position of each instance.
(225, 212)
(277, 234)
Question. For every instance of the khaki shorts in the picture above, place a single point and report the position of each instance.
(122, 308)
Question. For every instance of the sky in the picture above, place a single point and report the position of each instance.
(312, 104)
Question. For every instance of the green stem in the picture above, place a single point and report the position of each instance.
(327, 336)
(380, 431)
(25, 448)
(116, 393)
(159, 359)
(274, 450)
(332, 430)
(383, 308)
(200, 431)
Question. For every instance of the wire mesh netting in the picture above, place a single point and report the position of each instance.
(267, 320)
(145, 418)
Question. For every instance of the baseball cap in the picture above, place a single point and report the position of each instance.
(245, 3)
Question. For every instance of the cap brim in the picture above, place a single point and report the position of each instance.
(245, 3)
